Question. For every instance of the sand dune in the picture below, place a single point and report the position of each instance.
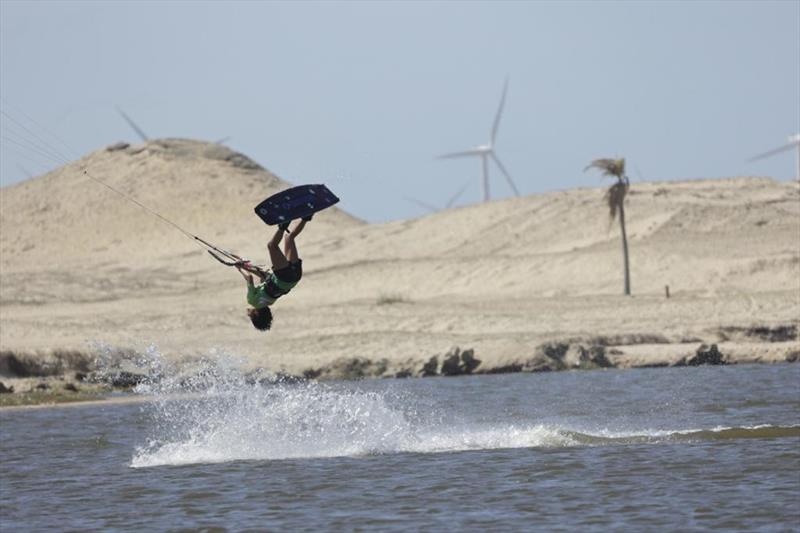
(78, 265)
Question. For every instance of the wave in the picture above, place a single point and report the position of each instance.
(763, 431)
(216, 415)
(733, 433)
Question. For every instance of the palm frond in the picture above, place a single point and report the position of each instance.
(610, 167)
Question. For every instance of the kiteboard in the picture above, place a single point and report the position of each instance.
(297, 202)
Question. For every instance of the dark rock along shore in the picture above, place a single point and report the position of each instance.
(75, 371)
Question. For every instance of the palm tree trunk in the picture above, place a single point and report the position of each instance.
(625, 249)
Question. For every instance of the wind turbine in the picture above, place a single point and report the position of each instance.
(486, 151)
(144, 137)
(793, 142)
(448, 205)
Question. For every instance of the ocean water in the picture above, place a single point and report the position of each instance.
(635, 450)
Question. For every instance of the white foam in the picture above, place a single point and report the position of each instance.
(285, 422)
(207, 412)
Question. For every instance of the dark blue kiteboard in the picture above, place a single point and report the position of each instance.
(297, 202)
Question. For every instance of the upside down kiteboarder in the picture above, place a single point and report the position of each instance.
(287, 269)
(296, 203)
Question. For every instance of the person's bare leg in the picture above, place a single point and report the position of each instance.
(299, 227)
(289, 246)
(276, 257)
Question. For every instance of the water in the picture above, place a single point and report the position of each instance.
(679, 448)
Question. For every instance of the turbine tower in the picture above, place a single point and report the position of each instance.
(486, 151)
(793, 142)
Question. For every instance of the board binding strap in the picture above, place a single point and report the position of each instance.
(301, 201)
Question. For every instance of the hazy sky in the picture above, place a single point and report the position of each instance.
(363, 95)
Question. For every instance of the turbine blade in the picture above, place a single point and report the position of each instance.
(505, 172)
(422, 204)
(223, 140)
(784, 148)
(132, 124)
(499, 111)
(465, 153)
(457, 195)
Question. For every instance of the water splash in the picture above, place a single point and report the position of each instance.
(310, 420)
(210, 411)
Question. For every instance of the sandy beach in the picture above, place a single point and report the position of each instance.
(523, 284)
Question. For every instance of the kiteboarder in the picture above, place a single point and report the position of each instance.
(287, 269)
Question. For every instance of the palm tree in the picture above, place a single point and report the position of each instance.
(615, 197)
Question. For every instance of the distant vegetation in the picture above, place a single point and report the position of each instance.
(388, 299)
(615, 197)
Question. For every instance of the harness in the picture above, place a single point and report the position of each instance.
(267, 292)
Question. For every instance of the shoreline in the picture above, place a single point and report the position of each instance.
(58, 389)
(99, 400)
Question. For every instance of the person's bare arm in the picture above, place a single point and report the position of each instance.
(251, 269)
(245, 274)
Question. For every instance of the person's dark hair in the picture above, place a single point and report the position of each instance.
(261, 318)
